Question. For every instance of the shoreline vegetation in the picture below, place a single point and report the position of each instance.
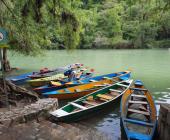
(85, 24)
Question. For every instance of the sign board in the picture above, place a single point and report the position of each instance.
(3, 38)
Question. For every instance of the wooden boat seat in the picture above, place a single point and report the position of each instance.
(102, 96)
(142, 108)
(114, 93)
(77, 90)
(93, 80)
(107, 78)
(133, 135)
(66, 90)
(143, 123)
(108, 94)
(78, 106)
(138, 102)
(146, 113)
(90, 98)
(80, 82)
(139, 89)
(69, 83)
(106, 84)
(114, 90)
(122, 85)
(59, 112)
(90, 103)
(139, 96)
(99, 85)
(55, 83)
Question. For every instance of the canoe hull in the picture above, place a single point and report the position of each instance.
(48, 88)
(73, 95)
(38, 83)
(141, 92)
(125, 74)
(69, 112)
(87, 113)
(21, 79)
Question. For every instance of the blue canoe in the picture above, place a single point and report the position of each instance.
(21, 79)
(48, 88)
(138, 113)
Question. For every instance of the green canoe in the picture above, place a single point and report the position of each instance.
(91, 103)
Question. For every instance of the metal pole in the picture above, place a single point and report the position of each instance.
(3, 78)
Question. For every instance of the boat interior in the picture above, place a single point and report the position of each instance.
(90, 86)
(137, 115)
(99, 97)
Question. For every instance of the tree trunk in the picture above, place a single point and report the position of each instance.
(15, 93)
(6, 63)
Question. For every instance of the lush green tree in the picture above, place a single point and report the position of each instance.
(51, 24)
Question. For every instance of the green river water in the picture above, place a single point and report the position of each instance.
(151, 66)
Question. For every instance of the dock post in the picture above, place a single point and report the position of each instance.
(164, 122)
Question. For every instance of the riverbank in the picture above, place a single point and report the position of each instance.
(30, 122)
(45, 130)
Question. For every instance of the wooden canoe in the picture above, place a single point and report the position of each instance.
(21, 79)
(98, 78)
(86, 80)
(81, 90)
(138, 113)
(46, 80)
(59, 77)
(59, 84)
(91, 103)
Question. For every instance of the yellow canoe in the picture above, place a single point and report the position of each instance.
(81, 90)
(46, 80)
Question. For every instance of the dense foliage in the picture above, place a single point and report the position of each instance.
(51, 24)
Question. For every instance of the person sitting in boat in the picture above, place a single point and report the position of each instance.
(71, 73)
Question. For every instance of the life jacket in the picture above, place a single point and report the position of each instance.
(68, 72)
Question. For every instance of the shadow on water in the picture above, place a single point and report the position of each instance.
(161, 98)
(106, 121)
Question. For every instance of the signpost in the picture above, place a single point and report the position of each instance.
(3, 44)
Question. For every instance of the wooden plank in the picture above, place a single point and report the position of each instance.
(55, 83)
(90, 103)
(59, 112)
(107, 78)
(79, 81)
(139, 89)
(115, 90)
(104, 96)
(78, 106)
(90, 98)
(139, 112)
(106, 84)
(142, 108)
(93, 80)
(143, 123)
(139, 96)
(99, 85)
(122, 85)
(77, 90)
(114, 93)
(138, 102)
(66, 90)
